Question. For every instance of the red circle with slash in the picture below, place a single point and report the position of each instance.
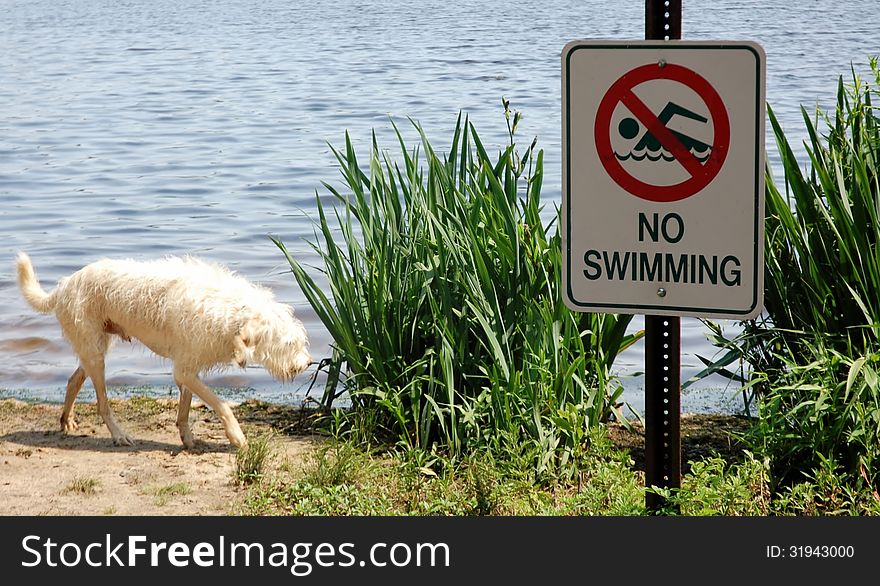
(700, 173)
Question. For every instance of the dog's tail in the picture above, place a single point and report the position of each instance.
(30, 287)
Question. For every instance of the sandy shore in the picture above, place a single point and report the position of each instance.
(46, 472)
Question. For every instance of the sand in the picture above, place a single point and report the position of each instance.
(44, 471)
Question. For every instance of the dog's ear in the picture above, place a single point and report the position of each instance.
(240, 351)
(244, 342)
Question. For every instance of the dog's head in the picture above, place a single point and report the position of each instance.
(277, 340)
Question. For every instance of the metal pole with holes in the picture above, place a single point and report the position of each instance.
(662, 335)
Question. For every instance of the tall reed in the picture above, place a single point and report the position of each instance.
(444, 302)
(814, 354)
(822, 273)
(822, 255)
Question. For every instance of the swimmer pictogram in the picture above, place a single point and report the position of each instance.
(650, 147)
(655, 143)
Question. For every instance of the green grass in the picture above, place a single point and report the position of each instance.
(341, 478)
(250, 462)
(344, 479)
(164, 494)
(84, 485)
(444, 304)
(715, 487)
(827, 410)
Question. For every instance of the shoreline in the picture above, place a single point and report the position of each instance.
(47, 472)
(708, 399)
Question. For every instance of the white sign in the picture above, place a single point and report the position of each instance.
(663, 177)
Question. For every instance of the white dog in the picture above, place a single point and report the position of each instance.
(199, 315)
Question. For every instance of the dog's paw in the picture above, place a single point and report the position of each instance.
(70, 425)
(237, 439)
(187, 441)
(123, 440)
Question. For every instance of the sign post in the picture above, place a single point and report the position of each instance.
(662, 335)
(663, 196)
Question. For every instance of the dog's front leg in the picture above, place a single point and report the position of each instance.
(183, 416)
(230, 423)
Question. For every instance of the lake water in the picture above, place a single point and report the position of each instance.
(139, 128)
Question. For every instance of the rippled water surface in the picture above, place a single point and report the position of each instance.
(142, 128)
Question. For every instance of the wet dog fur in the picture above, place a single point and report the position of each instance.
(199, 315)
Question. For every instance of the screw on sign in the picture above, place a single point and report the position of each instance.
(656, 141)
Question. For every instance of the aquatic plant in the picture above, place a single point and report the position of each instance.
(444, 303)
(823, 260)
(813, 354)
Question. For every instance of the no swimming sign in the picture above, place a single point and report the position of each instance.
(663, 193)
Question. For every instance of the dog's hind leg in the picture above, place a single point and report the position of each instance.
(95, 369)
(74, 384)
(230, 423)
(183, 416)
